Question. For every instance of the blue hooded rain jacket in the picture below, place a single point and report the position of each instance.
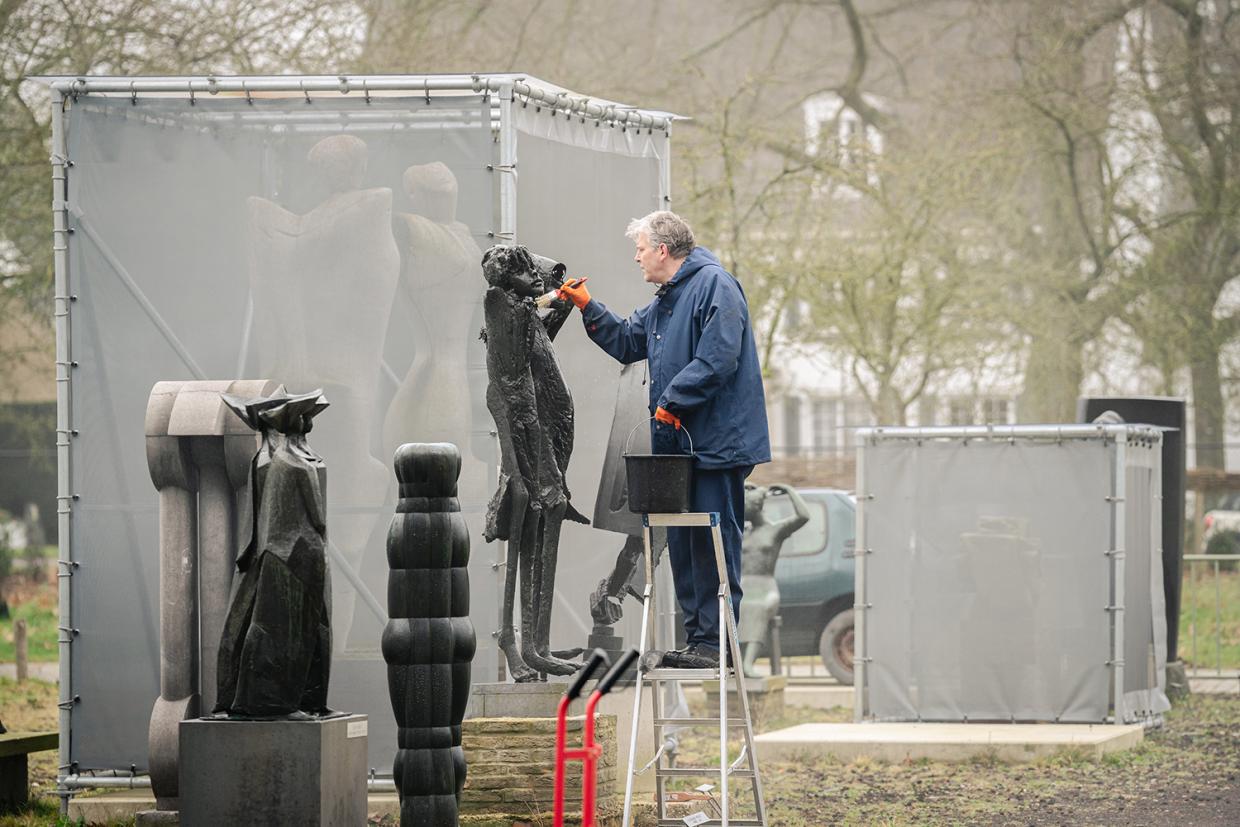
(703, 362)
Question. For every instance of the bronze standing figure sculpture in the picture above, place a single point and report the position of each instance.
(533, 413)
(760, 549)
(275, 650)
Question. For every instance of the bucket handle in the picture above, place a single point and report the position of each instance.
(629, 441)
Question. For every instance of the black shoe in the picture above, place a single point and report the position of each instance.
(672, 659)
(700, 656)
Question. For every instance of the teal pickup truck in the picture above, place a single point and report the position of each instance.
(815, 576)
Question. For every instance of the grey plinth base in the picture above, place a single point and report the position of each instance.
(273, 772)
(514, 700)
(157, 818)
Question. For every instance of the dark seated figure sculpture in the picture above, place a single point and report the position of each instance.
(275, 650)
(533, 413)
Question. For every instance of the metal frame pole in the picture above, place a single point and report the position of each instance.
(1118, 552)
(62, 304)
(861, 552)
(508, 165)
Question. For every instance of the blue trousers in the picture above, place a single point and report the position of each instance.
(692, 552)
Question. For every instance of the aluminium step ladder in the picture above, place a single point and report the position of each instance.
(745, 765)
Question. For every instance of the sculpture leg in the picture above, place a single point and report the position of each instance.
(517, 668)
(540, 643)
(753, 651)
(607, 601)
(529, 591)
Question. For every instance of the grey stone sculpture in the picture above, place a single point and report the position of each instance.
(612, 513)
(533, 413)
(440, 255)
(275, 650)
(760, 549)
(429, 642)
(332, 268)
(198, 455)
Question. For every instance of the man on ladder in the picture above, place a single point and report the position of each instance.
(704, 374)
(698, 341)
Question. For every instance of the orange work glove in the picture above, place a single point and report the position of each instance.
(575, 291)
(667, 417)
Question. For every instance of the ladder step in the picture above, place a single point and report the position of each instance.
(734, 822)
(699, 772)
(664, 674)
(697, 721)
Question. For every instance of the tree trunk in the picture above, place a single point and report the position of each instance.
(1052, 378)
(1208, 412)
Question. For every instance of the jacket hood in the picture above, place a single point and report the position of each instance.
(698, 258)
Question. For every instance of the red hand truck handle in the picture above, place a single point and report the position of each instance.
(616, 672)
(598, 658)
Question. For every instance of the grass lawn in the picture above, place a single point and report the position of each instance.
(32, 599)
(1186, 773)
(1205, 644)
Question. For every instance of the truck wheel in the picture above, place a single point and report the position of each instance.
(836, 647)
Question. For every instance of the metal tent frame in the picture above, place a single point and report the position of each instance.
(504, 90)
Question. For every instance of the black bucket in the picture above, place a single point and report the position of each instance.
(659, 483)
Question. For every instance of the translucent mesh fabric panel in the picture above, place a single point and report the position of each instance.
(577, 188)
(988, 580)
(226, 239)
(1145, 625)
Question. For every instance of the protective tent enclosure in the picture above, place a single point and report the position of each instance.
(1010, 574)
(316, 232)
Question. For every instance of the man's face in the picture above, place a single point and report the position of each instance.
(652, 260)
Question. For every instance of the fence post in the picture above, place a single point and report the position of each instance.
(19, 644)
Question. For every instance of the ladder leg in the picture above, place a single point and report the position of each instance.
(643, 648)
(724, 763)
(727, 626)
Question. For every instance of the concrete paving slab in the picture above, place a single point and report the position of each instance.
(896, 742)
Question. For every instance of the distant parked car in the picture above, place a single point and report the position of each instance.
(1221, 526)
(815, 576)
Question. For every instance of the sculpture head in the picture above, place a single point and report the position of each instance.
(755, 499)
(341, 159)
(280, 411)
(432, 189)
(517, 270)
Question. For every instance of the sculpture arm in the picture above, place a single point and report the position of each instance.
(553, 321)
(800, 512)
(622, 339)
(717, 354)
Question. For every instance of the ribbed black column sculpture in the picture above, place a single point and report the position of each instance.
(429, 642)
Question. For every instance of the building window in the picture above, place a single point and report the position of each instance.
(792, 424)
(823, 423)
(996, 411)
(960, 412)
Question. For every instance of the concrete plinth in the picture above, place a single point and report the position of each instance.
(273, 772)
(766, 696)
(896, 742)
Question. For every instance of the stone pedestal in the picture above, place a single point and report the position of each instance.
(540, 700)
(766, 697)
(273, 772)
(512, 765)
